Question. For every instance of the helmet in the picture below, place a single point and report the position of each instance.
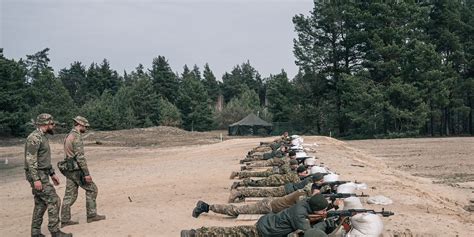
(81, 120)
(44, 119)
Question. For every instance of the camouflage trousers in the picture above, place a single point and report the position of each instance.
(233, 231)
(260, 207)
(261, 149)
(269, 162)
(46, 199)
(248, 174)
(72, 184)
(262, 192)
(271, 181)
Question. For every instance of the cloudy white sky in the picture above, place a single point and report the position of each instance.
(128, 32)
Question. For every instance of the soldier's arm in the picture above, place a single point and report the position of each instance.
(79, 154)
(31, 150)
(302, 221)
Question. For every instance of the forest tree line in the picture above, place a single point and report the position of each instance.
(366, 69)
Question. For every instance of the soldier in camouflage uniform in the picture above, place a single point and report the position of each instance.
(297, 217)
(285, 168)
(38, 169)
(267, 205)
(313, 180)
(74, 167)
(257, 192)
(278, 153)
(269, 162)
(273, 180)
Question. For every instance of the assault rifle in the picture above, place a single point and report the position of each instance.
(302, 159)
(333, 196)
(352, 212)
(335, 183)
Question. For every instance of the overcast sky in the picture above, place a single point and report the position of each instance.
(128, 32)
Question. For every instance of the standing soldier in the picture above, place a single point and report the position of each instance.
(38, 169)
(74, 167)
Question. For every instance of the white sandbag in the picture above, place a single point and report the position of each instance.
(379, 200)
(318, 169)
(366, 224)
(296, 140)
(361, 186)
(297, 148)
(331, 178)
(346, 188)
(310, 161)
(352, 203)
(350, 187)
(301, 154)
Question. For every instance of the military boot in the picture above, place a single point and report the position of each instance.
(188, 233)
(233, 195)
(200, 208)
(59, 233)
(95, 218)
(235, 185)
(234, 174)
(63, 224)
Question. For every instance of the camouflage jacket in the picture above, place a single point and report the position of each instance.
(37, 155)
(286, 221)
(74, 149)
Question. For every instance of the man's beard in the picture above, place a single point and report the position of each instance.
(50, 131)
(82, 131)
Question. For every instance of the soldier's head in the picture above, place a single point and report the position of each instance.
(302, 171)
(81, 124)
(45, 123)
(318, 204)
(285, 134)
(292, 154)
(293, 164)
(318, 178)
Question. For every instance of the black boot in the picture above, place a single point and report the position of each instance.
(60, 234)
(200, 208)
(188, 233)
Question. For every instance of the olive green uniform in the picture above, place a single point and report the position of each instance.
(271, 181)
(38, 167)
(74, 167)
(264, 206)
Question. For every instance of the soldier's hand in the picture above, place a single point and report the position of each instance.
(55, 179)
(313, 218)
(88, 179)
(38, 185)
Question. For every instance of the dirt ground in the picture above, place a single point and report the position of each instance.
(148, 190)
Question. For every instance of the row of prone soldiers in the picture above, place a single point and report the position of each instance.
(300, 198)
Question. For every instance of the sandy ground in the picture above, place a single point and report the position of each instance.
(164, 183)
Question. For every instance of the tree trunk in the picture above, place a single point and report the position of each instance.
(431, 121)
(446, 121)
(471, 130)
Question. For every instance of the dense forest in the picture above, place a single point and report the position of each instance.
(366, 69)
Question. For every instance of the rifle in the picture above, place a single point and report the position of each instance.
(352, 212)
(302, 159)
(335, 183)
(333, 196)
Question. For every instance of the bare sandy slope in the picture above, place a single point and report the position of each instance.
(165, 183)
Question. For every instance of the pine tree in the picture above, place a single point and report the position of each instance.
(210, 83)
(73, 79)
(193, 103)
(13, 91)
(164, 80)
